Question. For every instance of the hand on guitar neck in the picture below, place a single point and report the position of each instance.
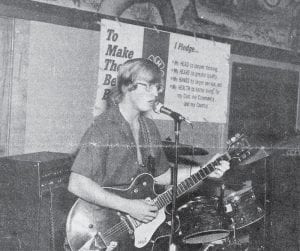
(220, 169)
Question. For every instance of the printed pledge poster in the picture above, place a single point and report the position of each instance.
(196, 71)
(197, 78)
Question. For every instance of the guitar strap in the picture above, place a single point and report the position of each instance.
(148, 153)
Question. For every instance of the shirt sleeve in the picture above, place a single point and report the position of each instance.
(90, 160)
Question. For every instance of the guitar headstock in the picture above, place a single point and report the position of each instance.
(238, 147)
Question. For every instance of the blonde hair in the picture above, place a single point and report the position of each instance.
(128, 73)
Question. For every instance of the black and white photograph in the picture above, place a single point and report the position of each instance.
(160, 125)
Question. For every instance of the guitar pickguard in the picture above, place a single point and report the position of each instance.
(144, 233)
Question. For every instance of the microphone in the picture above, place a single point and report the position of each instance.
(159, 108)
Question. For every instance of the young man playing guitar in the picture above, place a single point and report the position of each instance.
(122, 143)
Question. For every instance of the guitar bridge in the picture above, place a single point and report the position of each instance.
(133, 222)
(130, 229)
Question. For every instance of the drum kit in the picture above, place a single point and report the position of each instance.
(213, 223)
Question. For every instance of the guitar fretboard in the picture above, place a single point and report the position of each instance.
(166, 197)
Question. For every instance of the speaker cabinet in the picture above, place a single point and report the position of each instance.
(283, 213)
(34, 201)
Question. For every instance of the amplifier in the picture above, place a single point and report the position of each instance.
(34, 200)
(39, 171)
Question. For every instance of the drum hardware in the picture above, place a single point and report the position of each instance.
(183, 161)
(183, 149)
(216, 222)
(234, 231)
(241, 206)
(234, 242)
(201, 221)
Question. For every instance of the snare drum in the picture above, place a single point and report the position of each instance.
(201, 221)
(242, 208)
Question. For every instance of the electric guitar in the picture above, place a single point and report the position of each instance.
(101, 228)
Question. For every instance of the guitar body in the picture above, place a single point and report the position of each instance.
(86, 220)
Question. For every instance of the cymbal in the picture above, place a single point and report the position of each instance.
(169, 148)
(183, 161)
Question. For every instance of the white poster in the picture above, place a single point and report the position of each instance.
(118, 43)
(196, 71)
(197, 78)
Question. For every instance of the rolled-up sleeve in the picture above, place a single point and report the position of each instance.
(91, 157)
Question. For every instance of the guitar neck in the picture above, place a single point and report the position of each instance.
(166, 198)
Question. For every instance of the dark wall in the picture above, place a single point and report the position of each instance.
(263, 102)
(283, 213)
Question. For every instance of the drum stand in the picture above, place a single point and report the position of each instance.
(174, 173)
(234, 242)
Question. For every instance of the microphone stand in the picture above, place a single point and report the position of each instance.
(174, 172)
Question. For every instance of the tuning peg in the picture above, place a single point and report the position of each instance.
(233, 139)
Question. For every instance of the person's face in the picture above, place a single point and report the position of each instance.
(144, 96)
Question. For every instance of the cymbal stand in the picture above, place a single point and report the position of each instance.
(233, 242)
(174, 171)
(234, 239)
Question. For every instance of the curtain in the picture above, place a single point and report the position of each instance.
(6, 54)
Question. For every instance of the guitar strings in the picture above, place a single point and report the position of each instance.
(122, 226)
(115, 230)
